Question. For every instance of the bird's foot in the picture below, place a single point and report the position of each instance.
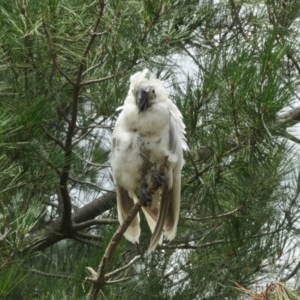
(157, 180)
(151, 183)
(144, 195)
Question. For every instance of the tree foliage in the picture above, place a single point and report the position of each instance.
(232, 67)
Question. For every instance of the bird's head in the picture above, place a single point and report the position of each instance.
(144, 96)
(146, 90)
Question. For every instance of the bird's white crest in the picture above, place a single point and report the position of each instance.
(149, 136)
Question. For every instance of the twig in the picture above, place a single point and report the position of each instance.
(54, 138)
(91, 184)
(292, 274)
(54, 275)
(116, 271)
(93, 222)
(173, 245)
(121, 280)
(291, 137)
(53, 56)
(92, 68)
(4, 235)
(92, 81)
(88, 236)
(213, 217)
(85, 241)
(187, 245)
(99, 279)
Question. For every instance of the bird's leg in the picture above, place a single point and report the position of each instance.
(158, 178)
(143, 194)
(151, 182)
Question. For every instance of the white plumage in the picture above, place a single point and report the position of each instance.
(147, 158)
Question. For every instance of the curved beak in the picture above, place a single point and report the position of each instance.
(142, 99)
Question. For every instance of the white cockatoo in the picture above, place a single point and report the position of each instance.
(147, 158)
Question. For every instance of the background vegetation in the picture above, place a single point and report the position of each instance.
(233, 69)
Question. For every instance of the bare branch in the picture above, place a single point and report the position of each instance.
(214, 217)
(99, 279)
(292, 274)
(120, 280)
(90, 223)
(54, 275)
(128, 265)
(94, 208)
(91, 184)
(291, 137)
(180, 245)
(53, 138)
(88, 236)
(4, 235)
(92, 81)
(92, 68)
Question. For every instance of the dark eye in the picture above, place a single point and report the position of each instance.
(153, 91)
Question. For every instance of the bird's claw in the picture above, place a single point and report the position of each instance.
(144, 195)
(158, 180)
(150, 185)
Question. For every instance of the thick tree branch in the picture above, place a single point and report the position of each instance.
(50, 234)
(94, 208)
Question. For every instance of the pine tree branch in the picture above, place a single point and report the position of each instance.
(117, 271)
(292, 274)
(88, 183)
(94, 209)
(50, 234)
(66, 220)
(92, 81)
(4, 235)
(187, 245)
(54, 57)
(236, 19)
(290, 118)
(54, 275)
(54, 139)
(117, 281)
(213, 217)
(90, 223)
(291, 137)
(98, 278)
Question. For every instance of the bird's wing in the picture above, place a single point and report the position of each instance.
(151, 211)
(170, 197)
(176, 118)
(173, 195)
(125, 166)
(124, 205)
